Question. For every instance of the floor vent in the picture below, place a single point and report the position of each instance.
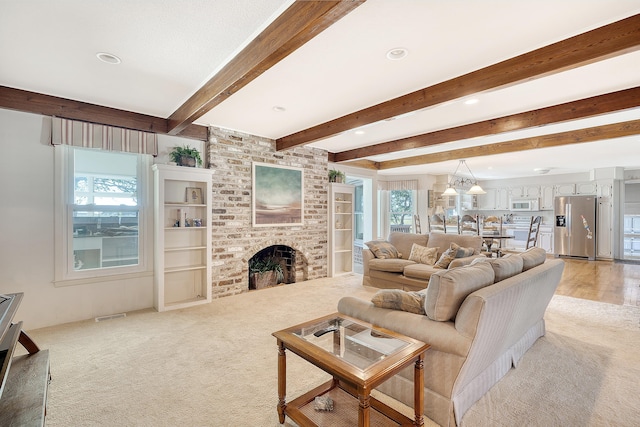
(112, 316)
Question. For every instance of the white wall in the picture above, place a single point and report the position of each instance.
(27, 232)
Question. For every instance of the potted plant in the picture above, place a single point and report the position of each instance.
(336, 176)
(185, 156)
(265, 272)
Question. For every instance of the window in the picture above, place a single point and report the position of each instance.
(401, 210)
(359, 210)
(101, 224)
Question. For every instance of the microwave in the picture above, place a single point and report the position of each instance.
(524, 205)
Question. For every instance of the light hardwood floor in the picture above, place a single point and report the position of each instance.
(606, 281)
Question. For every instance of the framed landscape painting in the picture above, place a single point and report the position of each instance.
(277, 195)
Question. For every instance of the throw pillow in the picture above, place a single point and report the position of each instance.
(464, 252)
(423, 255)
(448, 289)
(447, 256)
(533, 257)
(383, 249)
(397, 299)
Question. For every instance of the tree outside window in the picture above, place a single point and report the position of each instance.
(401, 204)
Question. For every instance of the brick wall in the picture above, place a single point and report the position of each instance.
(235, 240)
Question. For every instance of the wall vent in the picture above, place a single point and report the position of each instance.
(112, 316)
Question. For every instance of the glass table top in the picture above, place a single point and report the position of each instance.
(355, 343)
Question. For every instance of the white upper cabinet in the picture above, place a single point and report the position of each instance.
(525, 192)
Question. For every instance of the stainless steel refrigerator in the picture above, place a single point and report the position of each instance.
(575, 226)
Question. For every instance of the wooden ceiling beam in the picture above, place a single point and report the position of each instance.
(37, 103)
(605, 42)
(597, 133)
(301, 22)
(589, 107)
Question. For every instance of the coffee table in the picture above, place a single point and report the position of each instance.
(360, 357)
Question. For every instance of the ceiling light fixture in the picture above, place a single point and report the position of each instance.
(471, 101)
(397, 53)
(463, 182)
(108, 58)
(279, 109)
(359, 132)
(541, 171)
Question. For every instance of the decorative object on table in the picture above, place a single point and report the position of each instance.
(186, 156)
(194, 195)
(336, 176)
(457, 181)
(323, 403)
(277, 195)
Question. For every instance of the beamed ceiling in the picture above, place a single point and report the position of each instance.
(556, 82)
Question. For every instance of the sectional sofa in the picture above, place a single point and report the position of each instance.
(479, 319)
(402, 273)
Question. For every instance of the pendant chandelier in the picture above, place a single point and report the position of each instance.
(463, 182)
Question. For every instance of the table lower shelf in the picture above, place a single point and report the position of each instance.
(24, 398)
(345, 410)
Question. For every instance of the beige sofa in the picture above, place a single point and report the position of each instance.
(401, 273)
(479, 319)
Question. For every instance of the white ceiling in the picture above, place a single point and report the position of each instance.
(169, 49)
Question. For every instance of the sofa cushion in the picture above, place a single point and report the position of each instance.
(442, 241)
(397, 299)
(448, 288)
(447, 256)
(383, 249)
(423, 255)
(532, 257)
(395, 265)
(507, 266)
(404, 241)
(420, 271)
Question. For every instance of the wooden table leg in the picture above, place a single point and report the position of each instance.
(364, 409)
(418, 381)
(282, 380)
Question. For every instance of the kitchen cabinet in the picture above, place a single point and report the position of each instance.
(604, 242)
(605, 188)
(494, 199)
(487, 201)
(341, 216)
(468, 202)
(525, 192)
(546, 197)
(545, 240)
(565, 189)
(581, 188)
(586, 188)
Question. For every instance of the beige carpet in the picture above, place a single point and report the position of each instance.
(215, 365)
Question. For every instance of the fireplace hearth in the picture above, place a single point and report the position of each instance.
(283, 255)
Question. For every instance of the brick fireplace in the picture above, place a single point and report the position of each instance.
(235, 240)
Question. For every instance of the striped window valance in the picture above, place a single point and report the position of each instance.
(108, 138)
(408, 184)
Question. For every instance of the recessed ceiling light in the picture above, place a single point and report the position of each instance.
(471, 101)
(108, 58)
(397, 53)
(359, 132)
(279, 109)
(541, 171)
